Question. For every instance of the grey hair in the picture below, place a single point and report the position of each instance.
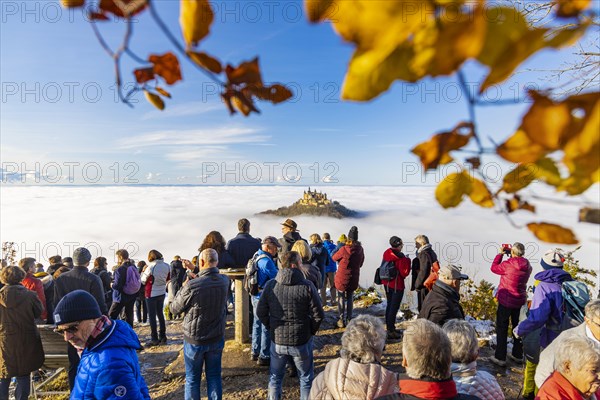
(463, 341)
(210, 256)
(518, 250)
(577, 351)
(427, 351)
(363, 340)
(592, 310)
(422, 239)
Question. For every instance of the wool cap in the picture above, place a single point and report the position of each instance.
(81, 256)
(552, 259)
(76, 306)
(395, 241)
(353, 234)
(342, 238)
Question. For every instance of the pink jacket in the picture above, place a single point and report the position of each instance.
(514, 274)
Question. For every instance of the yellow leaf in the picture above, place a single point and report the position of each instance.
(317, 10)
(450, 191)
(518, 178)
(72, 3)
(547, 123)
(195, 19)
(519, 148)
(552, 233)
(480, 194)
(546, 170)
(516, 203)
(205, 61)
(571, 8)
(435, 151)
(155, 100)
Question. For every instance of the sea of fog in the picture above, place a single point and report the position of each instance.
(48, 220)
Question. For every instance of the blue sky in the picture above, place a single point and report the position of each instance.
(60, 118)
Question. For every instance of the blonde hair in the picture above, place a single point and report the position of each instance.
(315, 239)
(303, 249)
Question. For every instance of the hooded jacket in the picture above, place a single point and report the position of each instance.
(204, 302)
(402, 264)
(290, 308)
(441, 304)
(109, 368)
(427, 389)
(330, 247)
(479, 383)
(350, 259)
(514, 274)
(557, 387)
(21, 349)
(344, 379)
(287, 242)
(320, 257)
(545, 311)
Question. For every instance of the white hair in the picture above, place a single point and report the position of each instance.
(363, 340)
(427, 351)
(518, 250)
(577, 352)
(592, 310)
(463, 341)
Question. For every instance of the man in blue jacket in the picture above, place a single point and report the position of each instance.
(109, 366)
(267, 270)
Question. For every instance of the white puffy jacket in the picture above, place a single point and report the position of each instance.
(478, 383)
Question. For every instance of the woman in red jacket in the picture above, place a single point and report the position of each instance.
(350, 258)
(394, 288)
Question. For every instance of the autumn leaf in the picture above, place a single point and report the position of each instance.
(435, 151)
(72, 3)
(247, 72)
(316, 10)
(547, 123)
(143, 75)
(552, 233)
(515, 203)
(480, 194)
(571, 8)
(163, 92)
(243, 104)
(155, 100)
(195, 19)
(474, 161)
(205, 61)
(275, 94)
(519, 148)
(97, 16)
(123, 8)
(166, 66)
(525, 173)
(449, 193)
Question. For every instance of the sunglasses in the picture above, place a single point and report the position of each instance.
(69, 329)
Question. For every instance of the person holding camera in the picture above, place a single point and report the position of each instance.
(512, 295)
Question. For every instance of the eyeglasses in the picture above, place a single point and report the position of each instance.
(71, 329)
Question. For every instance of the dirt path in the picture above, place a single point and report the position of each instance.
(164, 370)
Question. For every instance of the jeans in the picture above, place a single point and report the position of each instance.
(125, 303)
(394, 298)
(502, 317)
(261, 339)
(345, 304)
(197, 356)
(302, 357)
(141, 309)
(155, 309)
(22, 389)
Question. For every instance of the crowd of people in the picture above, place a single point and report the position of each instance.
(95, 309)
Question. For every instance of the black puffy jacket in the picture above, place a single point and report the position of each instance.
(204, 302)
(441, 304)
(290, 308)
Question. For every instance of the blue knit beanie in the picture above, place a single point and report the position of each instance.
(78, 305)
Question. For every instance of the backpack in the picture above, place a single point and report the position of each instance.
(575, 296)
(133, 282)
(433, 275)
(251, 277)
(388, 271)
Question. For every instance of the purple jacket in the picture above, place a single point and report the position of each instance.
(514, 274)
(545, 311)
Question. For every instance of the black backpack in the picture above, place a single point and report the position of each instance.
(388, 271)
(251, 278)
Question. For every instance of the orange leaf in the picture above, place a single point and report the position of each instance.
(275, 94)
(97, 16)
(143, 75)
(167, 66)
(571, 8)
(552, 233)
(195, 18)
(227, 96)
(317, 10)
(163, 92)
(516, 203)
(247, 72)
(243, 104)
(435, 151)
(72, 3)
(155, 100)
(547, 123)
(123, 8)
(519, 148)
(206, 61)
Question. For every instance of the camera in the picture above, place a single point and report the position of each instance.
(506, 248)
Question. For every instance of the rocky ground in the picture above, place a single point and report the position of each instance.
(164, 370)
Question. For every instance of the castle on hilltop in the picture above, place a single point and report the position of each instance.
(314, 199)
